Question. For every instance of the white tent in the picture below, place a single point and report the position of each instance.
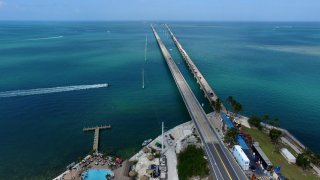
(285, 153)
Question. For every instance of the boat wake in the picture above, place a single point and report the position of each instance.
(7, 94)
(45, 38)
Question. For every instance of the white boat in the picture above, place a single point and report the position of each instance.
(146, 142)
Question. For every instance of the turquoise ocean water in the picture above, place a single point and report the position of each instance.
(271, 68)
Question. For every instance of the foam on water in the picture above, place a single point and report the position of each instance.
(29, 92)
(45, 38)
(304, 50)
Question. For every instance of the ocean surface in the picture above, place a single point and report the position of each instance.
(271, 68)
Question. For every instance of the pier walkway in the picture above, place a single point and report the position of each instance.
(220, 163)
(204, 85)
(96, 135)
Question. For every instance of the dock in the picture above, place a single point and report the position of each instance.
(220, 160)
(96, 134)
(204, 85)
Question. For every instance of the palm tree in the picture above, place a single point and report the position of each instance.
(275, 134)
(316, 159)
(275, 122)
(231, 135)
(237, 107)
(79, 159)
(265, 119)
(217, 105)
(230, 100)
(308, 152)
(212, 103)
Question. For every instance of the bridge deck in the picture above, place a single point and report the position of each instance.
(233, 169)
(195, 110)
(212, 147)
(205, 86)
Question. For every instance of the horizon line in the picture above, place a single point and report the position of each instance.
(75, 20)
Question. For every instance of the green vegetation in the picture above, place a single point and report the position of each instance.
(265, 118)
(191, 163)
(315, 159)
(217, 105)
(274, 122)
(255, 122)
(153, 151)
(231, 135)
(308, 156)
(157, 155)
(79, 159)
(236, 106)
(134, 162)
(275, 134)
(291, 171)
(303, 161)
(92, 152)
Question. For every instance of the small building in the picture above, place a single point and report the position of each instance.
(241, 157)
(261, 157)
(226, 120)
(285, 153)
(242, 142)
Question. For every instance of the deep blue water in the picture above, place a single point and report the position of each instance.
(271, 68)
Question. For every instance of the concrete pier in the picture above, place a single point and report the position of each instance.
(97, 127)
(96, 135)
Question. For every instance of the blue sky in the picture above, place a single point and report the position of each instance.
(187, 10)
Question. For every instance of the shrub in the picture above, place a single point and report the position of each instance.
(231, 135)
(255, 121)
(275, 134)
(191, 163)
(303, 161)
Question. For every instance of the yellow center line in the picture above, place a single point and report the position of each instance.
(222, 162)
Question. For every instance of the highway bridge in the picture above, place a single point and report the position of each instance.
(221, 162)
(204, 85)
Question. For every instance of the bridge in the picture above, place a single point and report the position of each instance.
(221, 162)
(204, 85)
